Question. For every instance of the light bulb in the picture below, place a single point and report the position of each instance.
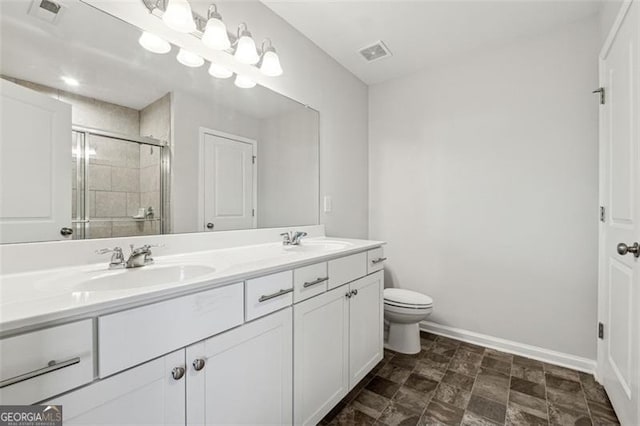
(189, 59)
(215, 34)
(178, 16)
(153, 43)
(70, 81)
(244, 82)
(246, 51)
(271, 63)
(219, 71)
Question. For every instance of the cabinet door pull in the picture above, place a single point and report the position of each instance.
(312, 283)
(274, 295)
(51, 366)
(177, 373)
(354, 292)
(198, 364)
(378, 260)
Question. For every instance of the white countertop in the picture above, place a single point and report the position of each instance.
(35, 299)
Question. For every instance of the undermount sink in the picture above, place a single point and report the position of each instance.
(318, 246)
(146, 276)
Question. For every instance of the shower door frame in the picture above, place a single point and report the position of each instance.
(82, 205)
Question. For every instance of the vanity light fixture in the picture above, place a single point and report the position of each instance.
(178, 16)
(270, 65)
(215, 32)
(246, 48)
(189, 59)
(70, 81)
(218, 71)
(244, 82)
(153, 43)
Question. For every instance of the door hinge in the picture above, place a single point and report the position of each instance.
(603, 213)
(253, 159)
(601, 91)
(600, 330)
(253, 212)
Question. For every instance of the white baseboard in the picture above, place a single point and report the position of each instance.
(529, 351)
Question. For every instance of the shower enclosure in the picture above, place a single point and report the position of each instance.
(119, 184)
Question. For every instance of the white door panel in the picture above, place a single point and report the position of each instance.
(35, 165)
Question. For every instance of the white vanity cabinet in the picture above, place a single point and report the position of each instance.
(152, 393)
(337, 341)
(243, 376)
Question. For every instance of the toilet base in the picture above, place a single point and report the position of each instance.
(403, 338)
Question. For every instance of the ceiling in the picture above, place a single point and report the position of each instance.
(421, 33)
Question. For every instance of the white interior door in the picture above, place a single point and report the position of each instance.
(619, 293)
(228, 182)
(35, 165)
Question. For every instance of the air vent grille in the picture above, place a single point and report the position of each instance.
(376, 51)
(46, 10)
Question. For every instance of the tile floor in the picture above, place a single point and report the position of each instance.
(455, 383)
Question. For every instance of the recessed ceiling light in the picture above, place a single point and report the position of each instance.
(70, 81)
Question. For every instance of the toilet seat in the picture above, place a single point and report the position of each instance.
(408, 299)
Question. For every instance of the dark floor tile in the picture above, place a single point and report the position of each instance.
(562, 417)
(558, 371)
(458, 380)
(557, 382)
(568, 400)
(449, 340)
(472, 419)
(430, 369)
(383, 387)
(527, 387)
(379, 366)
(527, 373)
(437, 358)
(444, 348)
(466, 362)
(592, 389)
(421, 384)
(404, 360)
(492, 410)
(472, 348)
(440, 413)
(496, 364)
(530, 404)
(396, 414)
(528, 362)
(333, 413)
(394, 373)
(427, 336)
(411, 398)
(452, 395)
(370, 403)
(516, 416)
(602, 412)
(352, 416)
(492, 384)
(498, 355)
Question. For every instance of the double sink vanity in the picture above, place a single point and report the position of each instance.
(258, 333)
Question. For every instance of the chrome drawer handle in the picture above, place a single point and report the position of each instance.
(274, 295)
(378, 260)
(51, 366)
(318, 281)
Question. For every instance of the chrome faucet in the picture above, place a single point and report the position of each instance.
(292, 238)
(140, 256)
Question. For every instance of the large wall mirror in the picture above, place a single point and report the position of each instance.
(101, 138)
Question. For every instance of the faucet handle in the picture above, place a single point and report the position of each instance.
(108, 250)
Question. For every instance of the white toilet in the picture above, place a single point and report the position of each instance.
(403, 310)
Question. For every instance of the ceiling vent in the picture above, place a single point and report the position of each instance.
(376, 51)
(46, 10)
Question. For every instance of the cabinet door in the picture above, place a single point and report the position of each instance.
(365, 326)
(144, 395)
(246, 377)
(321, 355)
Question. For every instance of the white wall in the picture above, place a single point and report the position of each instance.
(608, 14)
(484, 183)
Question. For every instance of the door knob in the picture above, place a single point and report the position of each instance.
(209, 225)
(624, 249)
(198, 364)
(65, 232)
(177, 373)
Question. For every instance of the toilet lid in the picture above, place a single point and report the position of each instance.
(399, 296)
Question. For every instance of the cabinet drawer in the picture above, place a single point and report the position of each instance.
(39, 365)
(346, 269)
(131, 337)
(309, 281)
(375, 260)
(268, 294)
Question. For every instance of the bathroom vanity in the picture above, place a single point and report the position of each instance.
(255, 334)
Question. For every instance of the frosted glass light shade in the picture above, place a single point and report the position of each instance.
(189, 59)
(218, 71)
(246, 51)
(153, 43)
(179, 17)
(271, 64)
(244, 82)
(215, 35)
